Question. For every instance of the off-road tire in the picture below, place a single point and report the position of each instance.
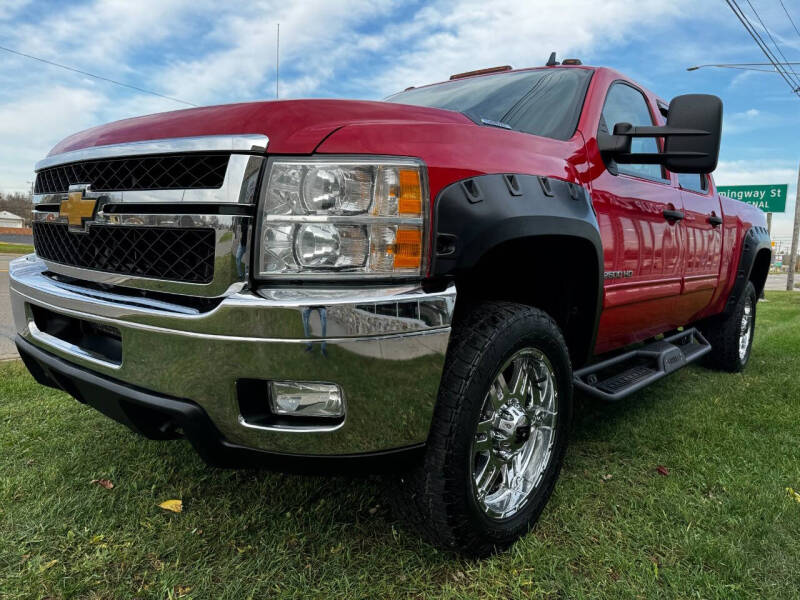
(436, 497)
(724, 332)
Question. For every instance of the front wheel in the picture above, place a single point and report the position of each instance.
(499, 432)
(731, 336)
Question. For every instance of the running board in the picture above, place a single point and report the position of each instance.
(645, 365)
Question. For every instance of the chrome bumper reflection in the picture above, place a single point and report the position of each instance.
(385, 347)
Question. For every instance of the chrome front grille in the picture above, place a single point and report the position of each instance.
(169, 215)
(168, 172)
(171, 253)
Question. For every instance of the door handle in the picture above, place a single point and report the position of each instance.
(715, 220)
(673, 215)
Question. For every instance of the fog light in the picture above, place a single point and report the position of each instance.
(306, 399)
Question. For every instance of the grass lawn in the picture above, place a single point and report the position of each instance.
(7, 248)
(720, 524)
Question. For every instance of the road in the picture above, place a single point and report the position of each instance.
(778, 283)
(7, 348)
(16, 239)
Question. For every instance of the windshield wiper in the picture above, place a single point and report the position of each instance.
(494, 123)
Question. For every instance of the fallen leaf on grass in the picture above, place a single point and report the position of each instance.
(46, 566)
(662, 470)
(793, 494)
(607, 477)
(103, 483)
(182, 590)
(175, 506)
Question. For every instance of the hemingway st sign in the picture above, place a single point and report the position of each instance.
(769, 198)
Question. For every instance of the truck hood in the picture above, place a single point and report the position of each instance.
(292, 126)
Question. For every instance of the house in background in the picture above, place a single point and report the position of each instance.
(11, 220)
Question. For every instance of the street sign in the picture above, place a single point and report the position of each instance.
(769, 198)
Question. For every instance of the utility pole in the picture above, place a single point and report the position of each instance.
(769, 224)
(795, 234)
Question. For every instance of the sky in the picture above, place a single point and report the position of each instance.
(213, 52)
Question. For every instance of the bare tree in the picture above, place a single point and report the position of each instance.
(18, 203)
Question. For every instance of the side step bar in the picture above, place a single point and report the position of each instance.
(618, 377)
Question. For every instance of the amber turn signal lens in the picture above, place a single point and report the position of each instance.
(410, 200)
(408, 249)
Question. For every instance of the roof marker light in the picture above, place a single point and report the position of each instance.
(481, 72)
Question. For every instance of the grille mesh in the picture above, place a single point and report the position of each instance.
(175, 254)
(165, 172)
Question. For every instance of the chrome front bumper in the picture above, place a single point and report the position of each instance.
(384, 347)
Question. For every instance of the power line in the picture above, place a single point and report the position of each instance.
(783, 56)
(760, 43)
(740, 15)
(790, 17)
(74, 70)
(794, 81)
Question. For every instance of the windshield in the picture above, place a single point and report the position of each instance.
(544, 102)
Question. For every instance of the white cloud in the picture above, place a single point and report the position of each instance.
(29, 125)
(749, 120)
(98, 34)
(10, 8)
(446, 39)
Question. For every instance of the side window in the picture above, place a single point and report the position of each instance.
(626, 104)
(693, 182)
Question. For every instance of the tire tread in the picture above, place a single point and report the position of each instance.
(432, 504)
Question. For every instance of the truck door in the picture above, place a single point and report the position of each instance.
(703, 231)
(638, 210)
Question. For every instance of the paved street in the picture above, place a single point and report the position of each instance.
(778, 283)
(16, 239)
(7, 349)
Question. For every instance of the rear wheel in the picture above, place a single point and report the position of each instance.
(731, 336)
(499, 432)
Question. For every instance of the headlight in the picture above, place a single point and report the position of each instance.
(352, 217)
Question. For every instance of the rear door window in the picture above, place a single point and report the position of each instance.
(694, 182)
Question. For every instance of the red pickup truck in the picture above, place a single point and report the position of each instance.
(419, 283)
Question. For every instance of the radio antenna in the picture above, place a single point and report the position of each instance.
(277, 59)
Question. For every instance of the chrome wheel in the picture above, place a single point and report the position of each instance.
(746, 329)
(513, 443)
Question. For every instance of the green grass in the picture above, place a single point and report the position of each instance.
(720, 525)
(7, 248)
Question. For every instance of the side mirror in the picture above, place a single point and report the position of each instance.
(694, 111)
(693, 132)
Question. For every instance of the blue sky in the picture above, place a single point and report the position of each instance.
(211, 52)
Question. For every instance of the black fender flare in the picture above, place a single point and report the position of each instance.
(755, 240)
(475, 215)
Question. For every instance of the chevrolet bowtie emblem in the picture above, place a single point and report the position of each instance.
(77, 207)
